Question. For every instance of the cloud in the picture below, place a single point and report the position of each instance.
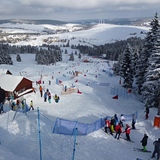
(77, 9)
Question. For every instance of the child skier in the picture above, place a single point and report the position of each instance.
(31, 106)
(56, 98)
(118, 130)
(144, 142)
(127, 131)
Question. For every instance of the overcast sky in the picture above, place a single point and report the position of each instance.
(67, 10)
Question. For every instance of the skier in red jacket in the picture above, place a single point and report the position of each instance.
(108, 126)
(127, 131)
(118, 129)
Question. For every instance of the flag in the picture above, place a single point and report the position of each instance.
(115, 97)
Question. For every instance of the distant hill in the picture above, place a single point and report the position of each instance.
(53, 22)
(118, 21)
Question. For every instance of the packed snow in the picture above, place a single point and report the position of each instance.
(20, 134)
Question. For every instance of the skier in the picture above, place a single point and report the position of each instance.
(41, 90)
(133, 122)
(156, 149)
(147, 111)
(108, 126)
(31, 106)
(65, 88)
(115, 120)
(127, 131)
(49, 97)
(118, 130)
(122, 119)
(18, 103)
(112, 125)
(23, 105)
(13, 105)
(45, 96)
(144, 142)
(56, 98)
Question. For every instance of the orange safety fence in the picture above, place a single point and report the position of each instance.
(69, 91)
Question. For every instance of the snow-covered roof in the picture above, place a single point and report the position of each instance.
(9, 82)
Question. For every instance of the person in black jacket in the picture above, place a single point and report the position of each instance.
(112, 125)
(147, 111)
(144, 142)
(133, 122)
(156, 149)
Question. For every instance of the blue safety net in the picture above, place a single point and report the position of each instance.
(67, 127)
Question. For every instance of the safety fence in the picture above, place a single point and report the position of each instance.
(121, 92)
(67, 127)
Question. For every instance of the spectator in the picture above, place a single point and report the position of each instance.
(156, 149)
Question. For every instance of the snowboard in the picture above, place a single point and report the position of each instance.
(141, 150)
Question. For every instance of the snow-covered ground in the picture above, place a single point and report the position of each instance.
(97, 35)
(19, 136)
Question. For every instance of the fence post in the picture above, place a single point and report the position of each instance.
(75, 135)
(39, 134)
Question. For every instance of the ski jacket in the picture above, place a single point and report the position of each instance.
(112, 121)
(144, 140)
(157, 145)
(127, 130)
(115, 120)
(147, 110)
(107, 123)
(45, 95)
(49, 95)
(31, 104)
(118, 129)
(122, 118)
(40, 88)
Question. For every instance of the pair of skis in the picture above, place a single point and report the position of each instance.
(141, 150)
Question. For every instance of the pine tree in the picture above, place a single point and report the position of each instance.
(126, 68)
(18, 58)
(71, 58)
(148, 47)
(149, 90)
(79, 56)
